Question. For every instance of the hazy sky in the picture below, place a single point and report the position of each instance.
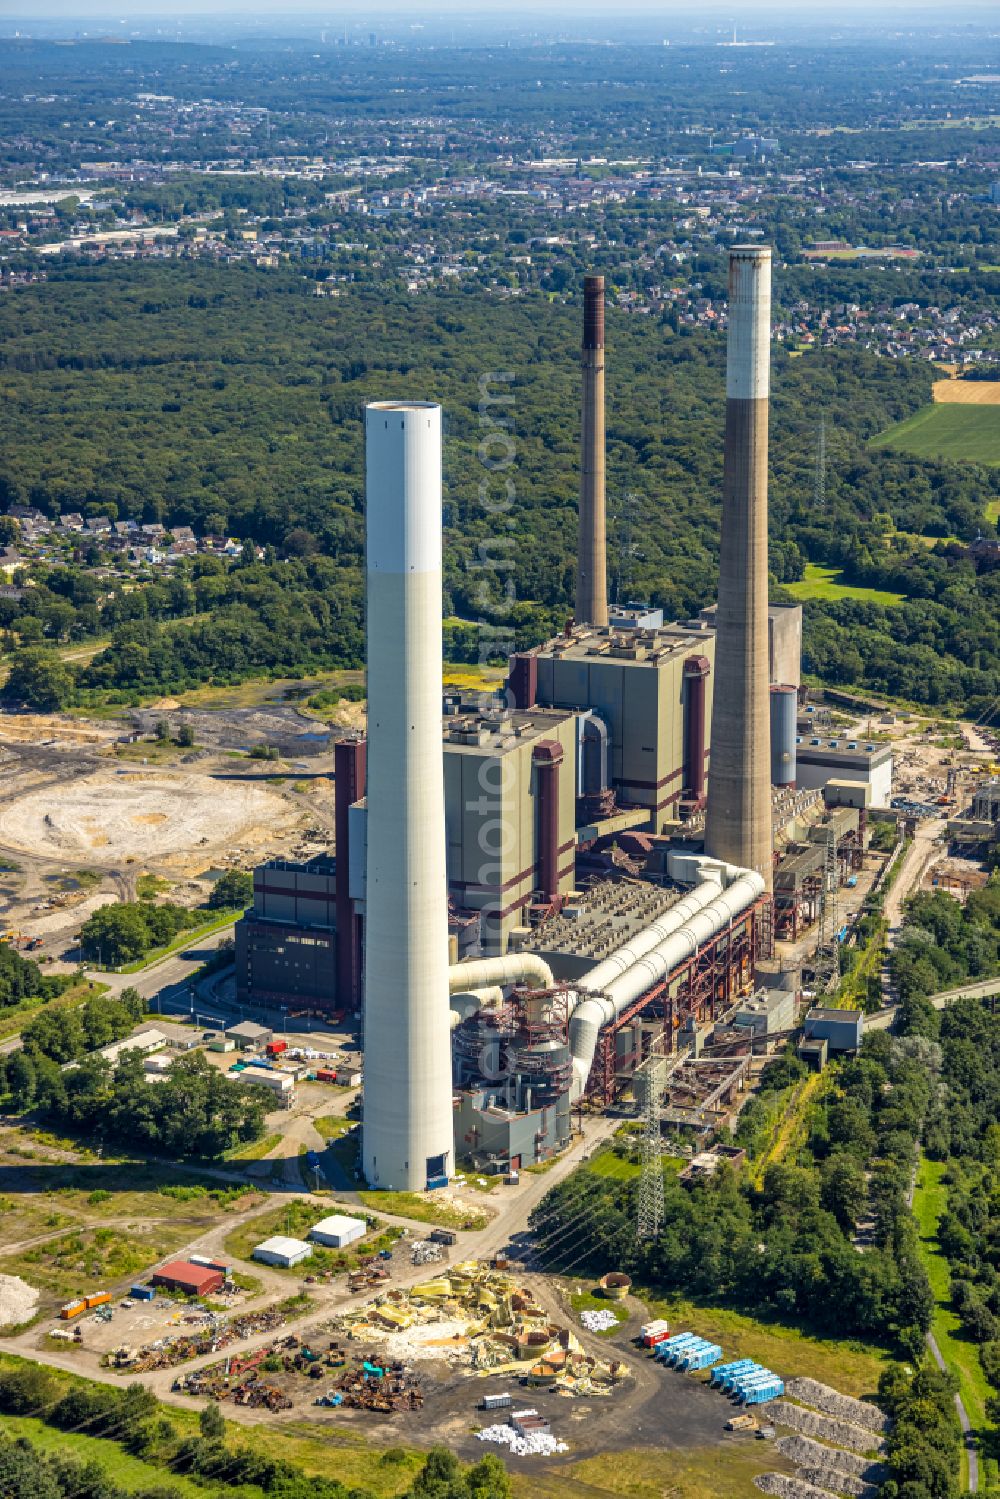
(748, 11)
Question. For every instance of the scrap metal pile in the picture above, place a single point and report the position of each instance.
(372, 1387)
(358, 1384)
(218, 1332)
(480, 1319)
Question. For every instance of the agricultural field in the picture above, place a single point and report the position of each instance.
(824, 583)
(948, 430)
(967, 392)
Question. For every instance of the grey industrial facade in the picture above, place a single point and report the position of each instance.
(286, 946)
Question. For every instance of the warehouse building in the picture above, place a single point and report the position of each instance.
(840, 1029)
(282, 1251)
(819, 761)
(249, 1036)
(337, 1231)
(281, 1084)
(191, 1278)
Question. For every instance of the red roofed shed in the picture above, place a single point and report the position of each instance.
(195, 1280)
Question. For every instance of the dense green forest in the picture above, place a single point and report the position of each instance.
(786, 1246)
(232, 401)
(195, 1112)
(942, 944)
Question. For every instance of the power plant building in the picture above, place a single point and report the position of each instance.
(510, 811)
(555, 831)
(820, 761)
(650, 694)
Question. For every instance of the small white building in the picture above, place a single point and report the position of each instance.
(337, 1231)
(146, 1041)
(279, 1250)
(278, 1082)
(159, 1062)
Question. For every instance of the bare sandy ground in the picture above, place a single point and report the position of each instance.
(162, 817)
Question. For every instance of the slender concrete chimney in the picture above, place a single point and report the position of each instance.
(408, 1134)
(738, 821)
(592, 560)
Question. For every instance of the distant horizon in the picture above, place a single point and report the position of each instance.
(717, 12)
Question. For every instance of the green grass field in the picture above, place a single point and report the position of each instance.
(930, 1199)
(594, 1300)
(947, 431)
(642, 1473)
(993, 511)
(848, 1365)
(822, 583)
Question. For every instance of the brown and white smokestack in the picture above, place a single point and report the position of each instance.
(738, 821)
(592, 561)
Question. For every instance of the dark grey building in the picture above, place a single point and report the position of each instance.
(286, 945)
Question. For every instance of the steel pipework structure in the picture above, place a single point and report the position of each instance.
(407, 1124)
(738, 819)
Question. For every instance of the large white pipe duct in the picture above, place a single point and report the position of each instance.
(515, 968)
(723, 895)
(408, 1128)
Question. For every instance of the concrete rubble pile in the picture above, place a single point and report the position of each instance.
(219, 1332)
(789, 1488)
(836, 1482)
(534, 1444)
(423, 1252)
(807, 1453)
(825, 1428)
(830, 1444)
(598, 1321)
(478, 1318)
(831, 1403)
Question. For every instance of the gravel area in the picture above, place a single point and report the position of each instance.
(804, 1451)
(838, 1483)
(18, 1300)
(789, 1488)
(832, 1403)
(825, 1428)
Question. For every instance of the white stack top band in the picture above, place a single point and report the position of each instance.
(749, 352)
(403, 465)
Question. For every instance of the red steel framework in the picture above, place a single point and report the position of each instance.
(710, 983)
(795, 910)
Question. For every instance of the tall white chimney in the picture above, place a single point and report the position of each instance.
(408, 1130)
(738, 821)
